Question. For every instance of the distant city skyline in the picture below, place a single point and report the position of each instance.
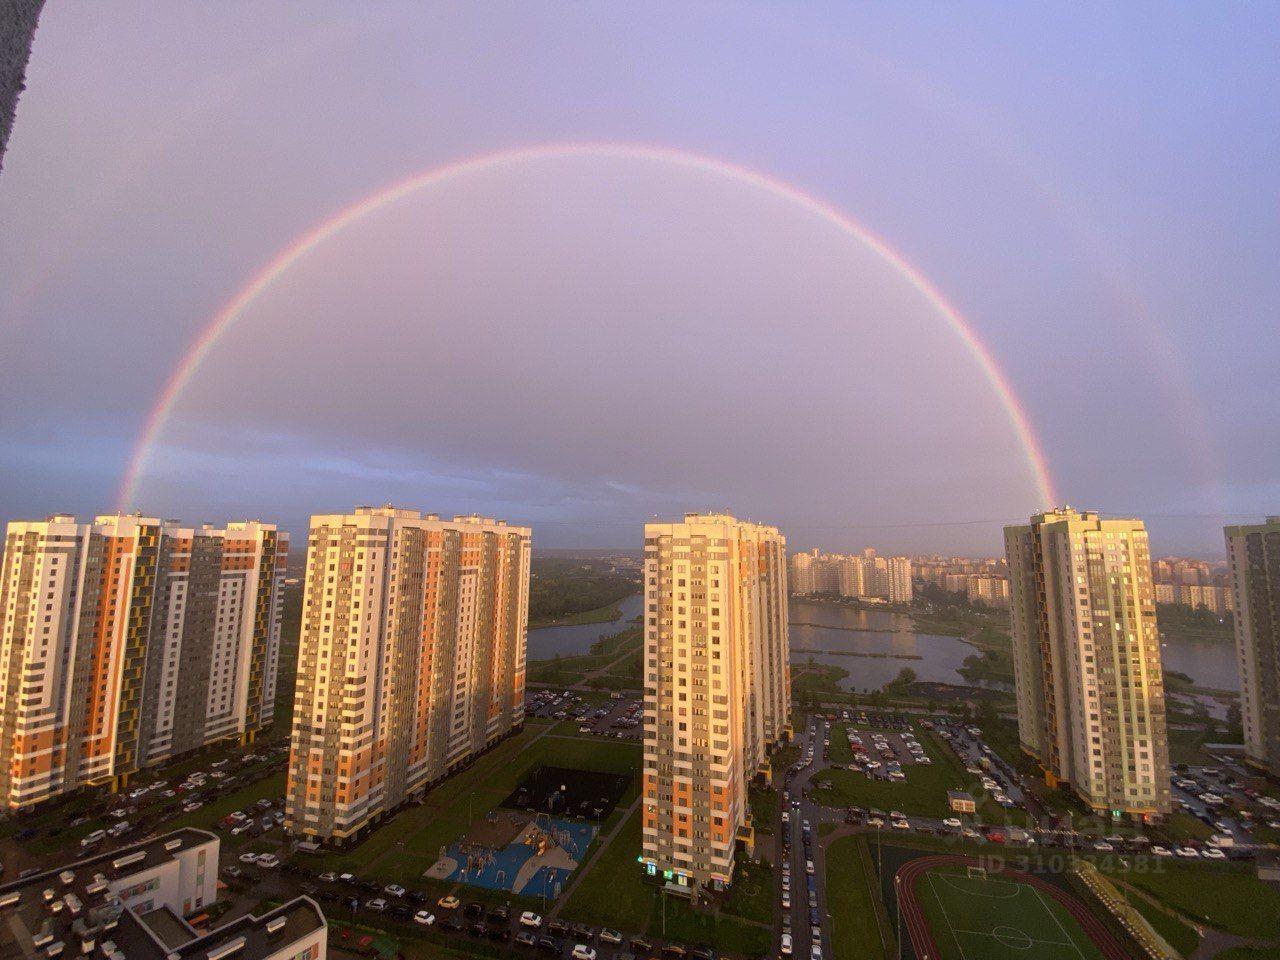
(841, 235)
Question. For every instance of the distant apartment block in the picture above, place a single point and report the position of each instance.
(1090, 688)
(411, 659)
(866, 575)
(133, 904)
(1253, 553)
(130, 640)
(717, 688)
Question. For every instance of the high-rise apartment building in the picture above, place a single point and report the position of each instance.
(411, 659)
(717, 687)
(1090, 688)
(866, 575)
(802, 579)
(1254, 556)
(129, 640)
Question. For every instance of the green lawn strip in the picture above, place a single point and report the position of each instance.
(751, 895)
(840, 751)
(1181, 936)
(764, 808)
(613, 893)
(855, 935)
(1227, 897)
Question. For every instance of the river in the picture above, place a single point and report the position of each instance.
(818, 629)
(546, 642)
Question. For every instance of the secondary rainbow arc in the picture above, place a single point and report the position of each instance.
(234, 309)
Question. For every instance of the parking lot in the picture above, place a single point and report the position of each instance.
(617, 717)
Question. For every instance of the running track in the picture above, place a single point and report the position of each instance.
(922, 941)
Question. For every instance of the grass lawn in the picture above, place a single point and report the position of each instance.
(403, 848)
(606, 614)
(855, 934)
(615, 894)
(998, 919)
(1230, 898)
(1249, 953)
(752, 893)
(764, 808)
(1182, 937)
(840, 750)
(923, 793)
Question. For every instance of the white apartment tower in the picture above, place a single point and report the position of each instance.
(717, 687)
(129, 640)
(1090, 688)
(411, 659)
(1254, 555)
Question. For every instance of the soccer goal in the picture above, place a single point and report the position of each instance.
(977, 873)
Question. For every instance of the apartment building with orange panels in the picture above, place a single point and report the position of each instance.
(717, 688)
(1086, 658)
(411, 660)
(130, 640)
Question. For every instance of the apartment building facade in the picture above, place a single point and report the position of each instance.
(1090, 686)
(717, 688)
(411, 659)
(1253, 553)
(130, 640)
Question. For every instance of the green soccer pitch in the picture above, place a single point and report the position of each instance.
(993, 918)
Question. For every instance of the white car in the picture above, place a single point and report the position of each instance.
(530, 919)
(582, 952)
(808, 867)
(423, 918)
(610, 936)
(902, 824)
(1191, 853)
(268, 860)
(328, 877)
(251, 858)
(875, 822)
(394, 889)
(952, 822)
(1161, 852)
(1103, 847)
(1213, 853)
(346, 877)
(377, 905)
(815, 952)
(786, 899)
(786, 944)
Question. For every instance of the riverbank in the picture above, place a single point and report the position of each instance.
(606, 614)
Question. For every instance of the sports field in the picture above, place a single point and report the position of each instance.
(995, 919)
(955, 913)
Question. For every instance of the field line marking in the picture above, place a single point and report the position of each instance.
(1070, 939)
(946, 916)
(950, 881)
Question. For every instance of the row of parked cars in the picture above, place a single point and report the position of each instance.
(495, 923)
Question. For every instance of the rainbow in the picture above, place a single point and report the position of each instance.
(234, 309)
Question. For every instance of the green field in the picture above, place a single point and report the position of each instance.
(855, 935)
(997, 919)
(1228, 897)
(615, 894)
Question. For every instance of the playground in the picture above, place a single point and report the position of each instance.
(524, 853)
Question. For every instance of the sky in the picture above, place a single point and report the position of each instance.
(587, 340)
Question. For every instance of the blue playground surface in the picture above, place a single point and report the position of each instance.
(518, 867)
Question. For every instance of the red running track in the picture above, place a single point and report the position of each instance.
(922, 941)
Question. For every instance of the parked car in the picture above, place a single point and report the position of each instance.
(530, 919)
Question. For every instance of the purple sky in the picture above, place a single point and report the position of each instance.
(584, 343)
